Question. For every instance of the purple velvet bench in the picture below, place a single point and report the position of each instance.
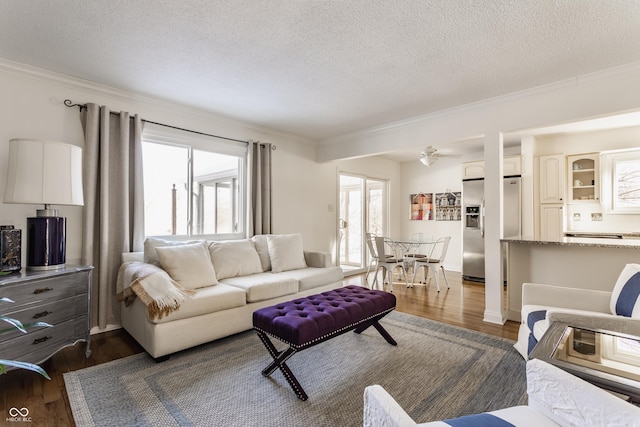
(305, 322)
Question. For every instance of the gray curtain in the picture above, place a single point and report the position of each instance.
(113, 220)
(260, 191)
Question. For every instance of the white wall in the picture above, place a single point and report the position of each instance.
(31, 107)
(443, 175)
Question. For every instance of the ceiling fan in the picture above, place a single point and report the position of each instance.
(430, 154)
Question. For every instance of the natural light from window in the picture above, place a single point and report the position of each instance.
(621, 181)
(207, 203)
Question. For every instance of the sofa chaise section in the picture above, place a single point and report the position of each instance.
(224, 308)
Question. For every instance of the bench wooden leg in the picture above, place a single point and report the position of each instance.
(374, 322)
(279, 362)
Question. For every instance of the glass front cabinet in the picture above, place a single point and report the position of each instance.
(584, 178)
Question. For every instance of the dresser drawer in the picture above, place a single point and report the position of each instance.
(53, 312)
(37, 346)
(46, 289)
(59, 297)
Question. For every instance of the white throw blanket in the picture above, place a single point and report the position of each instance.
(155, 288)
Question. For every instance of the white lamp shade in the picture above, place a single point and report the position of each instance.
(44, 172)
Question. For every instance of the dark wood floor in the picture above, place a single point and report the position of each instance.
(48, 404)
(461, 305)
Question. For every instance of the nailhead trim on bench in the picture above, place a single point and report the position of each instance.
(323, 337)
(347, 304)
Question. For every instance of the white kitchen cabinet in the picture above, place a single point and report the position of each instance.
(512, 166)
(551, 222)
(473, 170)
(552, 178)
(584, 178)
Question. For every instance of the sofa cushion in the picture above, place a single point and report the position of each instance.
(535, 318)
(207, 300)
(234, 258)
(260, 241)
(151, 243)
(263, 286)
(625, 297)
(190, 265)
(536, 324)
(310, 277)
(286, 252)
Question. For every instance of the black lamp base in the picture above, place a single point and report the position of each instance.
(46, 243)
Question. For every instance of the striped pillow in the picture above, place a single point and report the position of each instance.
(625, 298)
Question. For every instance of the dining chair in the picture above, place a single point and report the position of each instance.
(373, 257)
(434, 261)
(388, 262)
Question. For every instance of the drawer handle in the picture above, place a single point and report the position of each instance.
(41, 340)
(44, 313)
(42, 290)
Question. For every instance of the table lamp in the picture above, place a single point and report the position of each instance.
(47, 173)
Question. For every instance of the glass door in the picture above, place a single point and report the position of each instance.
(362, 210)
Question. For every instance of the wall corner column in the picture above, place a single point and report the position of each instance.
(494, 165)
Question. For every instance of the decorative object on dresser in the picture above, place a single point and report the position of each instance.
(10, 249)
(58, 297)
(46, 173)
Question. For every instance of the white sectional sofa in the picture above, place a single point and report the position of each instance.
(617, 310)
(223, 283)
(556, 398)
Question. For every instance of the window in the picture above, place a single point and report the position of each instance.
(621, 181)
(193, 184)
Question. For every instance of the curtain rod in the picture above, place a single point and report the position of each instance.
(69, 103)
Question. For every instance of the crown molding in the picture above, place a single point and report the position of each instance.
(97, 89)
(607, 74)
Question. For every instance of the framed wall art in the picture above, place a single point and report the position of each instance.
(421, 206)
(448, 206)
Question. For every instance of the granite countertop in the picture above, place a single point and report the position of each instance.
(580, 241)
(598, 234)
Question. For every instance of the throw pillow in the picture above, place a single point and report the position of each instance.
(625, 297)
(285, 252)
(234, 258)
(190, 265)
(151, 243)
(260, 240)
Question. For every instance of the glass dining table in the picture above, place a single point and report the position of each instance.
(410, 248)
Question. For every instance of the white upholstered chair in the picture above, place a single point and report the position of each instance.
(543, 304)
(555, 398)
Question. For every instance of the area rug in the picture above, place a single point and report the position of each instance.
(437, 371)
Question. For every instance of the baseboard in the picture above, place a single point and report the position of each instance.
(97, 330)
(494, 317)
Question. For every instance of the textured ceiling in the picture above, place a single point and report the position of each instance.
(320, 69)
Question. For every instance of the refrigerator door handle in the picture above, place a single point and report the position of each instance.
(482, 218)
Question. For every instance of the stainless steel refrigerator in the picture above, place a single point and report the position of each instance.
(473, 227)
